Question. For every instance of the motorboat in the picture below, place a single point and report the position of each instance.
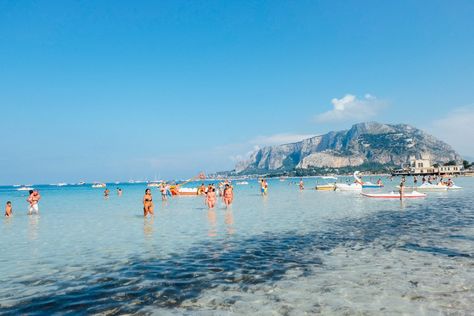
(61, 184)
(99, 185)
(242, 183)
(154, 184)
(395, 195)
(329, 178)
(25, 188)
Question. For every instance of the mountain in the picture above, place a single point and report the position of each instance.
(363, 143)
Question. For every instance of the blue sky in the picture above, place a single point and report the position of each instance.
(112, 90)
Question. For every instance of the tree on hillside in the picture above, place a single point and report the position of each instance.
(466, 164)
(450, 163)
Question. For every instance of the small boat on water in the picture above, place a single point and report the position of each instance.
(154, 184)
(184, 191)
(326, 187)
(370, 185)
(395, 195)
(61, 184)
(242, 183)
(99, 185)
(328, 178)
(356, 186)
(348, 187)
(25, 189)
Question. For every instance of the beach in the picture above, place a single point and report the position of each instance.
(291, 252)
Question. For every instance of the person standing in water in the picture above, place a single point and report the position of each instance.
(228, 195)
(33, 199)
(263, 187)
(301, 184)
(106, 193)
(211, 197)
(8, 209)
(402, 188)
(119, 191)
(147, 203)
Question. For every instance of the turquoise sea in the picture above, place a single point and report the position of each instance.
(289, 253)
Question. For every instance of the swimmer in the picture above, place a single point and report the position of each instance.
(119, 191)
(211, 197)
(147, 203)
(228, 195)
(8, 209)
(301, 184)
(33, 200)
(106, 193)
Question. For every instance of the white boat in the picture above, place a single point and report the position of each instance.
(61, 184)
(242, 183)
(25, 189)
(154, 184)
(356, 186)
(329, 178)
(348, 187)
(81, 183)
(432, 187)
(16, 185)
(187, 191)
(99, 185)
(395, 195)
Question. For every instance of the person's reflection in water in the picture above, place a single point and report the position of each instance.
(212, 219)
(33, 227)
(148, 227)
(229, 221)
(402, 204)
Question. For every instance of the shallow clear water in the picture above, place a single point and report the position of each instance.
(290, 253)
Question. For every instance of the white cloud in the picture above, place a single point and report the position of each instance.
(350, 107)
(457, 129)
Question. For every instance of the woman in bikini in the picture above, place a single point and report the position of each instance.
(228, 195)
(147, 203)
(211, 198)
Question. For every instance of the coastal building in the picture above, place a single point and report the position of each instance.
(423, 166)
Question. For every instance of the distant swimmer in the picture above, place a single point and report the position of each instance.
(33, 201)
(415, 180)
(8, 209)
(211, 197)
(119, 191)
(379, 182)
(106, 193)
(301, 184)
(228, 195)
(147, 203)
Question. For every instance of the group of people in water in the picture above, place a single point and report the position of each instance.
(210, 192)
(33, 204)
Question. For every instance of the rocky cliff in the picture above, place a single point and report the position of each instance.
(371, 142)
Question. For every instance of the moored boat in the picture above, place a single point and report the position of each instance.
(326, 187)
(99, 185)
(395, 195)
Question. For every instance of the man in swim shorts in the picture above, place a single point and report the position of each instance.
(33, 199)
